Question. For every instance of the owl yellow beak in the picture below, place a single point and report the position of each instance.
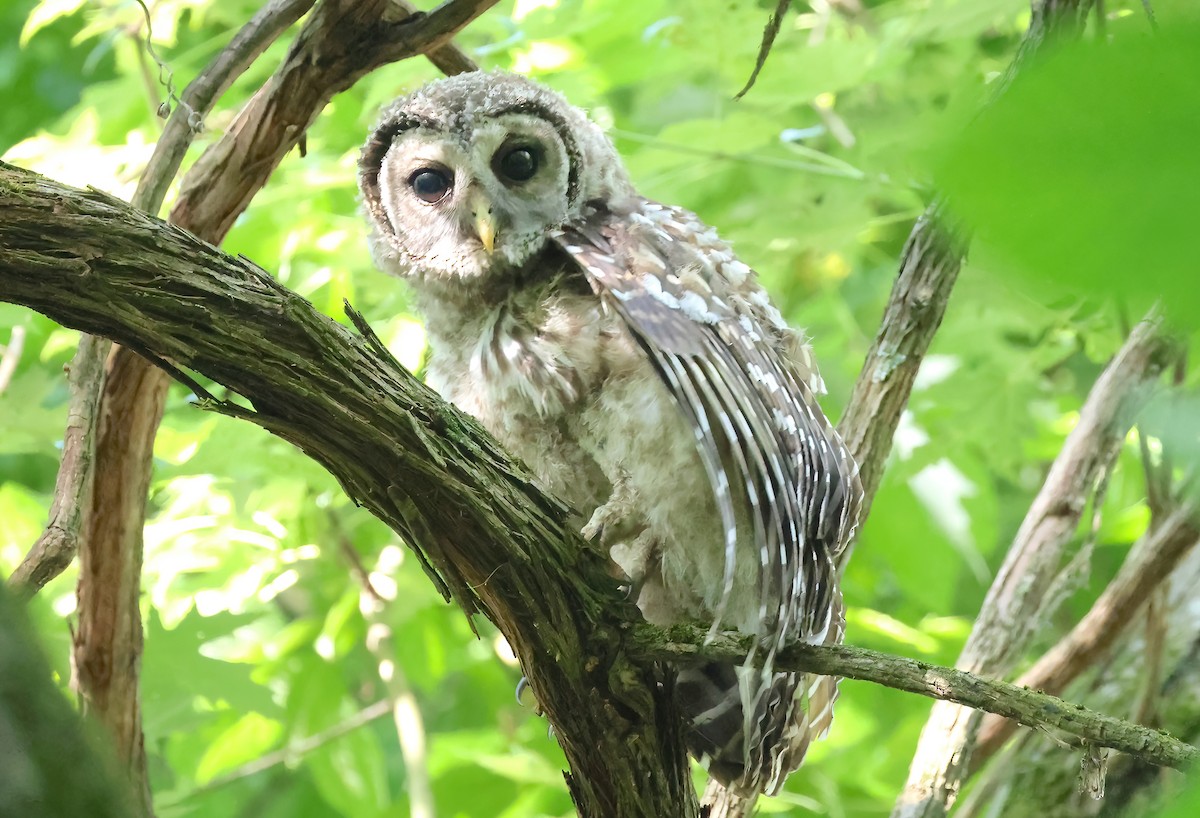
(485, 225)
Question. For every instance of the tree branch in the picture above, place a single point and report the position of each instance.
(929, 268)
(1149, 563)
(58, 544)
(1015, 601)
(686, 644)
(471, 514)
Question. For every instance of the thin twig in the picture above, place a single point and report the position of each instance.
(166, 77)
(11, 356)
(774, 23)
(406, 713)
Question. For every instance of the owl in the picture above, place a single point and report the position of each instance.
(618, 347)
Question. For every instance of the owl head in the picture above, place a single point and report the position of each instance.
(465, 178)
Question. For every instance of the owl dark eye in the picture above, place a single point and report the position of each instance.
(518, 164)
(430, 185)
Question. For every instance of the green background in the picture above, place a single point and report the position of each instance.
(1084, 184)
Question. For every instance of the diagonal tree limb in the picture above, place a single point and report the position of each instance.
(1010, 611)
(929, 267)
(57, 546)
(435, 476)
(1149, 563)
(431, 473)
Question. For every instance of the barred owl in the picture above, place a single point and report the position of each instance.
(620, 349)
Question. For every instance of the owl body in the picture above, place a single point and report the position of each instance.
(621, 350)
(560, 381)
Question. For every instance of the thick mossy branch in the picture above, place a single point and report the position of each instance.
(469, 511)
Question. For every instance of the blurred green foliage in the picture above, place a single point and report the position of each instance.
(255, 637)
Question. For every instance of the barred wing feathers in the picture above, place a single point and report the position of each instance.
(722, 350)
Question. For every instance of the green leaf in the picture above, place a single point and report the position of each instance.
(249, 737)
(1083, 174)
(45, 13)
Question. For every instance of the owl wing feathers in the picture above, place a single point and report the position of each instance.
(664, 273)
(720, 348)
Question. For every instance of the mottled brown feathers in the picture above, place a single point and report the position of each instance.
(620, 348)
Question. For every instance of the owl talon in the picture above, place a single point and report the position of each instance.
(635, 559)
(522, 686)
(615, 513)
(594, 530)
(633, 588)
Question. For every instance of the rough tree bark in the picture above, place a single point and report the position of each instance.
(341, 41)
(472, 515)
(397, 449)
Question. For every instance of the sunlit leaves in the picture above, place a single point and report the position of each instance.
(1083, 174)
(1082, 177)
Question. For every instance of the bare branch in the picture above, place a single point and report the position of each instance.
(684, 644)
(928, 269)
(1010, 610)
(774, 23)
(58, 544)
(1149, 563)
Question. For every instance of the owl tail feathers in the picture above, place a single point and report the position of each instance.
(722, 802)
(790, 711)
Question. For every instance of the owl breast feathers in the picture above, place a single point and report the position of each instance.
(623, 352)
